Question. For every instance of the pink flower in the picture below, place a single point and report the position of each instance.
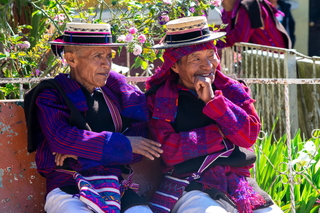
(129, 38)
(167, 1)
(165, 18)
(121, 38)
(142, 38)
(24, 45)
(215, 3)
(133, 30)
(59, 18)
(137, 50)
(192, 10)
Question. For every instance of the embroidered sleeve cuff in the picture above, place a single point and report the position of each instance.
(216, 107)
(117, 150)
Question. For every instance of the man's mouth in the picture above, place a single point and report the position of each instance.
(104, 74)
(206, 74)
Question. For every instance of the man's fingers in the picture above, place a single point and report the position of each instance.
(147, 154)
(145, 147)
(152, 147)
(150, 143)
(58, 159)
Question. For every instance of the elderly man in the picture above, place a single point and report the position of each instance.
(206, 123)
(105, 128)
(253, 21)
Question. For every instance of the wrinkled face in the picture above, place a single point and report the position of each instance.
(90, 66)
(200, 63)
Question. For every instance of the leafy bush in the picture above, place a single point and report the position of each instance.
(27, 26)
(272, 171)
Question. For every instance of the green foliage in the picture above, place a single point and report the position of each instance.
(148, 18)
(272, 171)
(37, 22)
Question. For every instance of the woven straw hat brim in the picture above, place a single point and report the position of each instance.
(212, 36)
(89, 44)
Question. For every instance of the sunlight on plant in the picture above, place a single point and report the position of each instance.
(24, 48)
(272, 174)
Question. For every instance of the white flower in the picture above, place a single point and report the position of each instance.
(303, 159)
(310, 147)
(167, 1)
(137, 50)
(121, 38)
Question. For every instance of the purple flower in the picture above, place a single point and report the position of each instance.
(137, 50)
(129, 38)
(192, 10)
(142, 38)
(133, 30)
(36, 72)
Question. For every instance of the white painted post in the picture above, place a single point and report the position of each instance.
(290, 68)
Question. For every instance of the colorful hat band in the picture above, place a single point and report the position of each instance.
(184, 37)
(85, 38)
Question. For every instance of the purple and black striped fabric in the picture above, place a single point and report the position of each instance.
(101, 150)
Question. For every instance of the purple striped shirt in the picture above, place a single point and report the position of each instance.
(98, 149)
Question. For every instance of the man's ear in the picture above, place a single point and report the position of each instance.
(174, 68)
(70, 58)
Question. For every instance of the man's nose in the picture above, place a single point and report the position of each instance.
(206, 64)
(106, 63)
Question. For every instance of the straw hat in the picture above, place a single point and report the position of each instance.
(84, 34)
(187, 31)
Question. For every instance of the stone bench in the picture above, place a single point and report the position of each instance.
(22, 189)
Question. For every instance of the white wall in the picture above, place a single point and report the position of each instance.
(300, 13)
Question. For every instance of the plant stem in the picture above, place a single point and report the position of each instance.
(44, 12)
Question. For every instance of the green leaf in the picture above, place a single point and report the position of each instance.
(2, 97)
(2, 55)
(22, 54)
(137, 62)
(144, 65)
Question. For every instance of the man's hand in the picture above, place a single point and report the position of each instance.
(203, 87)
(59, 158)
(145, 147)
